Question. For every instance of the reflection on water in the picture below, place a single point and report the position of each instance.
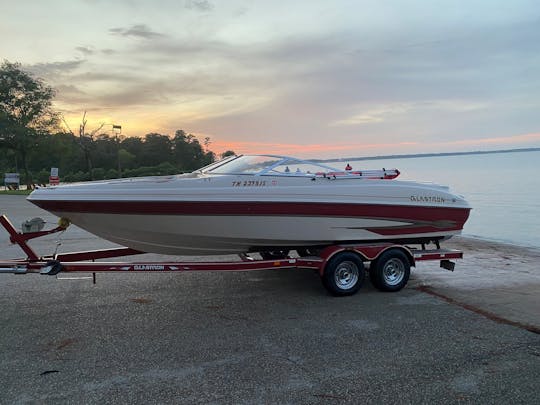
(503, 189)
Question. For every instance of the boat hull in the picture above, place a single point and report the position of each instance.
(224, 227)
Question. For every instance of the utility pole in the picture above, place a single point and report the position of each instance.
(117, 130)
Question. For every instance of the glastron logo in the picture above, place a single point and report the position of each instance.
(427, 198)
(149, 267)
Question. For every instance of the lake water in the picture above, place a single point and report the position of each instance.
(503, 189)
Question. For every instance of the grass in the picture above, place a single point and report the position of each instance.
(15, 192)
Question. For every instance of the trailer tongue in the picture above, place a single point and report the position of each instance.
(341, 266)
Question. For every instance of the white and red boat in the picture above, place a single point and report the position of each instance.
(258, 203)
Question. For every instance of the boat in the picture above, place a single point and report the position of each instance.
(258, 203)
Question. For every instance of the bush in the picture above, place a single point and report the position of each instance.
(111, 174)
(42, 177)
(98, 173)
(166, 168)
(75, 177)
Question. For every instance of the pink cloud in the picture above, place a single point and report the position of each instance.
(332, 149)
(298, 149)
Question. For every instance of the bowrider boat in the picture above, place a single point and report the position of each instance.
(258, 203)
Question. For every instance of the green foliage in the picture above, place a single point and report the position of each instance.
(15, 192)
(61, 150)
(26, 112)
(25, 102)
(42, 176)
(127, 160)
(111, 174)
(158, 148)
(227, 154)
(74, 177)
(98, 173)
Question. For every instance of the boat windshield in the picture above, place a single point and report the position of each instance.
(269, 165)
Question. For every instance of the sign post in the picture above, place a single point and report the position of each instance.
(54, 180)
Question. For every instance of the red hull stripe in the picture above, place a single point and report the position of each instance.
(457, 216)
(398, 230)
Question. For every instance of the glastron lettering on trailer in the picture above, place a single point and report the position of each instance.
(149, 267)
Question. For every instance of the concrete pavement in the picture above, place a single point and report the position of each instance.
(268, 336)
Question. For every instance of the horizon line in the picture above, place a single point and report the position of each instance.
(431, 154)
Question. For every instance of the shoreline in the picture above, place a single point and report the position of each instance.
(497, 280)
(508, 243)
(427, 155)
(472, 241)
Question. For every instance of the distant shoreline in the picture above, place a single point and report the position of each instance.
(424, 155)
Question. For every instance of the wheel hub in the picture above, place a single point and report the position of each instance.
(346, 275)
(393, 272)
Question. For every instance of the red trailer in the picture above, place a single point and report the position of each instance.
(342, 267)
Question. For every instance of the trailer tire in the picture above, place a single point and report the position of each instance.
(390, 271)
(343, 274)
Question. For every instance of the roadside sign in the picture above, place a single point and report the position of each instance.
(12, 179)
(54, 180)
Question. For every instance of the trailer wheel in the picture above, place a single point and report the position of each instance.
(343, 274)
(390, 271)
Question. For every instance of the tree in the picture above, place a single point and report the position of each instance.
(133, 145)
(188, 152)
(227, 154)
(126, 159)
(56, 150)
(26, 111)
(157, 149)
(86, 142)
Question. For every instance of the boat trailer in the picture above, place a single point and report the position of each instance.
(341, 266)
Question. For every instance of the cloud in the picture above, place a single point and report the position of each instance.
(404, 85)
(85, 50)
(55, 68)
(137, 31)
(200, 5)
(105, 74)
(145, 93)
(500, 140)
(71, 94)
(374, 115)
(386, 112)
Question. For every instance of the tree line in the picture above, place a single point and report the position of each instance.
(32, 140)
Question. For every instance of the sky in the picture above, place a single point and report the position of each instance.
(313, 78)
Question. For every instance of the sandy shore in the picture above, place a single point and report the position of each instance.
(498, 280)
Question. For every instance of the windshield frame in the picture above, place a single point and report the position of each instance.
(269, 170)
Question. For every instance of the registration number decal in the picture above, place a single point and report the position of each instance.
(249, 183)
